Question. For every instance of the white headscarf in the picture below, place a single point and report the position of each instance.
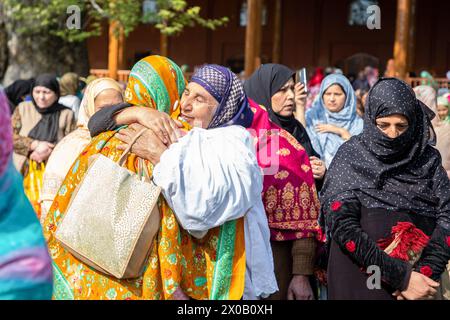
(87, 108)
(68, 149)
(427, 95)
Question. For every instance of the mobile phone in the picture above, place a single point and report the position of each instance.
(302, 78)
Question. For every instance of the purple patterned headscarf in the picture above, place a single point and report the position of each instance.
(227, 89)
(6, 145)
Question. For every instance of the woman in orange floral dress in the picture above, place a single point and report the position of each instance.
(179, 265)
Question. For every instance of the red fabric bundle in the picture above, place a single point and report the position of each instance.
(406, 241)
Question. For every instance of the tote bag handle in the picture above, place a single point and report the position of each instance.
(124, 155)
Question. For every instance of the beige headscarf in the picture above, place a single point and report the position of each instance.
(68, 84)
(66, 151)
(427, 95)
(87, 107)
(89, 79)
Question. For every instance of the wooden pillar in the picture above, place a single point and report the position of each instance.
(412, 36)
(276, 53)
(121, 52)
(258, 34)
(113, 49)
(402, 36)
(253, 36)
(164, 45)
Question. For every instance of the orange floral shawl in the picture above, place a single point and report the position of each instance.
(210, 268)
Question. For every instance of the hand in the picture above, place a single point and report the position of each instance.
(44, 146)
(300, 97)
(318, 167)
(34, 145)
(42, 151)
(148, 146)
(300, 289)
(39, 158)
(323, 128)
(420, 287)
(41, 145)
(342, 132)
(167, 129)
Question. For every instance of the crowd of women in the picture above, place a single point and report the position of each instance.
(263, 195)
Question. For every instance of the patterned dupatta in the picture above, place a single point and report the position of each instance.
(210, 268)
(289, 193)
(25, 267)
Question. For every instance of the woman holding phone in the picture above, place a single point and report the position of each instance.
(273, 87)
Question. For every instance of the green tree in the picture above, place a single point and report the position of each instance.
(41, 25)
(50, 16)
(33, 43)
(173, 16)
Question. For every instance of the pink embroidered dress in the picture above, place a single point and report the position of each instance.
(289, 193)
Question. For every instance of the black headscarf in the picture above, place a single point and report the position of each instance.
(17, 90)
(262, 85)
(47, 128)
(389, 173)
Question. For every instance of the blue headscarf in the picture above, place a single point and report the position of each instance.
(327, 144)
(227, 89)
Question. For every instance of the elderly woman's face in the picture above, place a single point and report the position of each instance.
(44, 97)
(107, 97)
(334, 98)
(393, 126)
(197, 106)
(283, 102)
(442, 112)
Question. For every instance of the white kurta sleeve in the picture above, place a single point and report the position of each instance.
(210, 177)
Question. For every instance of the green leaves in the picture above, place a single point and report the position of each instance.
(174, 16)
(34, 18)
(37, 17)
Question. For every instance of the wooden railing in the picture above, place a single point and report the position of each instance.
(122, 75)
(440, 82)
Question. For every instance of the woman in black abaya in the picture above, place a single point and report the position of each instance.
(386, 203)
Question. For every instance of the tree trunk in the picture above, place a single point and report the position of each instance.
(29, 56)
(164, 45)
(3, 48)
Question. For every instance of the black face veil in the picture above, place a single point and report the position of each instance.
(384, 172)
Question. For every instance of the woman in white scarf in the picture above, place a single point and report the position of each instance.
(99, 94)
(427, 95)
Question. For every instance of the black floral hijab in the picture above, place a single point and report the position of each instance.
(387, 173)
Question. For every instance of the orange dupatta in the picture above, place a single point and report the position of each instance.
(209, 268)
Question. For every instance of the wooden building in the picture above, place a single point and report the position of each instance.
(297, 33)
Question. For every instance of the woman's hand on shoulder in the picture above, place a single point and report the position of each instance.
(161, 124)
(148, 146)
